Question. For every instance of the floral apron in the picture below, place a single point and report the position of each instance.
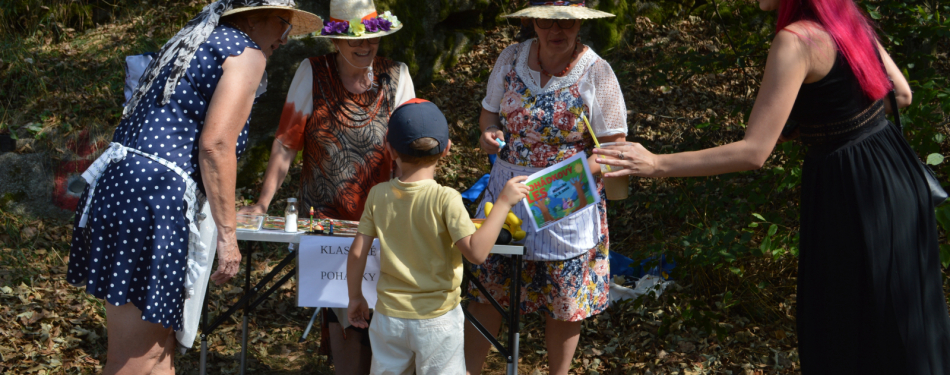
(567, 278)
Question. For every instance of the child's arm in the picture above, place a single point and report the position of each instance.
(358, 311)
(476, 247)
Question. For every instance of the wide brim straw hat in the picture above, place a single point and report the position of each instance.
(180, 49)
(348, 10)
(304, 22)
(559, 10)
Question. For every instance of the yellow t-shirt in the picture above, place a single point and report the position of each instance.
(417, 224)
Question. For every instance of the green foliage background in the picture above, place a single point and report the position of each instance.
(713, 225)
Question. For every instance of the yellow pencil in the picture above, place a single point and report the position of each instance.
(591, 130)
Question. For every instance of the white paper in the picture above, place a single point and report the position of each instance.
(321, 271)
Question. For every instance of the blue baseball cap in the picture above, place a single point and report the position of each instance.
(415, 119)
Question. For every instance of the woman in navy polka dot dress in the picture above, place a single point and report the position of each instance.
(175, 150)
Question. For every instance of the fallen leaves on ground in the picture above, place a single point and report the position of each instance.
(50, 327)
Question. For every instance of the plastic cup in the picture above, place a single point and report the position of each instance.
(617, 187)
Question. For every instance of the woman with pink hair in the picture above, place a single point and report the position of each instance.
(870, 291)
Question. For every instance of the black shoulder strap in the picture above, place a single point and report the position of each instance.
(891, 97)
(895, 109)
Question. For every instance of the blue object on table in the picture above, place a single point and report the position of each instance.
(479, 186)
(476, 189)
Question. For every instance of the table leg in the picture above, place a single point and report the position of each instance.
(481, 288)
(514, 311)
(246, 303)
(220, 319)
(204, 355)
(247, 290)
(204, 335)
(488, 335)
(512, 316)
(306, 331)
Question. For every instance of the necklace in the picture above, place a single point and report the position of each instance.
(369, 72)
(566, 68)
(353, 112)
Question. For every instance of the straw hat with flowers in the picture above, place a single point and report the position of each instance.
(358, 19)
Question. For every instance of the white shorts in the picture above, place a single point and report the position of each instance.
(422, 346)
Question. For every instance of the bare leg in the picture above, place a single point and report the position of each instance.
(166, 361)
(561, 338)
(136, 347)
(350, 356)
(476, 346)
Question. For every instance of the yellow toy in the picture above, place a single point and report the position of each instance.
(512, 223)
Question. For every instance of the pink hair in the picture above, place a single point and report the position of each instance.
(852, 33)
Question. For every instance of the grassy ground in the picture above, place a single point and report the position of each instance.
(730, 312)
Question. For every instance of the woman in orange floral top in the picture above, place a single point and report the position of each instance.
(336, 113)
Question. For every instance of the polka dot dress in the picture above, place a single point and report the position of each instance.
(135, 244)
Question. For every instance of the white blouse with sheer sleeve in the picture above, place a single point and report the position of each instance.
(608, 112)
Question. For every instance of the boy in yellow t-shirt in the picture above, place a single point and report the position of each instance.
(418, 323)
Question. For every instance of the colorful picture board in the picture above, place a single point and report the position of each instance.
(560, 190)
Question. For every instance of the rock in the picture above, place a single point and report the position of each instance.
(26, 186)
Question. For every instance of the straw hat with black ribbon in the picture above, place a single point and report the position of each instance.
(180, 49)
(358, 19)
(304, 22)
(559, 10)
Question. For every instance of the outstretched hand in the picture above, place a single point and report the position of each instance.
(632, 158)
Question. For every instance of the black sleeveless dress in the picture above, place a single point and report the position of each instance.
(870, 291)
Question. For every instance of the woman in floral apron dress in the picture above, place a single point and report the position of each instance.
(536, 94)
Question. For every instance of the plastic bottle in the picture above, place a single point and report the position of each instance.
(290, 216)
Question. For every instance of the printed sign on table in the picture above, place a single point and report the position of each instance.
(321, 272)
(560, 190)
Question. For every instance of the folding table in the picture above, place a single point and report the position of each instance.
(511, 316)
(245, 302)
